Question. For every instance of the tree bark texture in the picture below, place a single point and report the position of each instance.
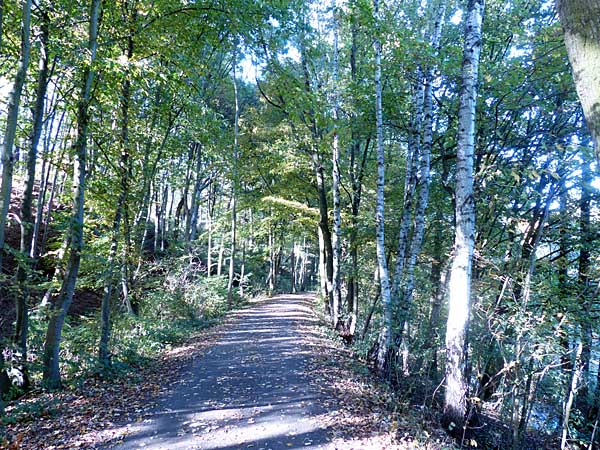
(337, 217)
(234, 183)
(14, 100)
(27, 222)
(455, 399)
(580, 20)
(58, 314)
(385, 333)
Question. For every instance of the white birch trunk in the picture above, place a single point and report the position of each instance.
(424, 169)
(455, 400)
(577, 372)
(385, 332)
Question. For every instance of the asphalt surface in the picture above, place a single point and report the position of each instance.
(249, 391)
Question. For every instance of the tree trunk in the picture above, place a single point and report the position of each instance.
(103, 353)
(294, 267)
(199, 186)
(357, 169)
(234, 183)
(323, 271)
(586, 239)
(47, 157)
(51, 373)
(337, 218)
(424, 179)
(574, 385)
(221, 252)
(455, 399)
(242, 269)
(11, 123)
(325, 231)
(1, 29)
(209, 213)
(580, 20)
(125, 165)
(271, 261)
(410, 182)
(385, 333)
(25, 262)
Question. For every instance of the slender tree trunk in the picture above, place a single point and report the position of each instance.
(372, 308)
(325, 231)
(410, 183)
(11, 123)
(129, 297)
(209, 213)
(294, 266)
(357, 168)
(323, 271)
(47, 161)
(221, 252)
(53, 192)
(196, 195)
(271, 262)
(1, 29)
(234, 183)
(455, 399)
(164, 216)
(400, 305)
(583, 278)
(337, 218)
(242, 269)
(103, 353)
(51, 373)
(385, 333)
(574, 385)
(25, 263)
(580, 20)
(424, 172)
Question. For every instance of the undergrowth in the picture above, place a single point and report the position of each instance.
(175, 301)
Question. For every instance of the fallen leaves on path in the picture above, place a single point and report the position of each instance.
(96, 410)
(363, 413)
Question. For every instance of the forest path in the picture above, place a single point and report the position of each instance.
(250, 390)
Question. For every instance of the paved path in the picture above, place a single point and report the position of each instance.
(249, 391)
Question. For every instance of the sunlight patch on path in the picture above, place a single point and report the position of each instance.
(250, 390)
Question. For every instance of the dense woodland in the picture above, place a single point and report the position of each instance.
(427, 166)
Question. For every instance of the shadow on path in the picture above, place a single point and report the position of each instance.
(249, 390)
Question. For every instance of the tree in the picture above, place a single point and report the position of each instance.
(337, 219)
(455, 399)
(11, 122)
(385, 333)
(234, 178)
(65, 295)
(581, 24)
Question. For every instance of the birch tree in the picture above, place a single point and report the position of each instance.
(455, 399)
(385, 333)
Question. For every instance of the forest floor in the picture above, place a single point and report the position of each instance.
(267, 378)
